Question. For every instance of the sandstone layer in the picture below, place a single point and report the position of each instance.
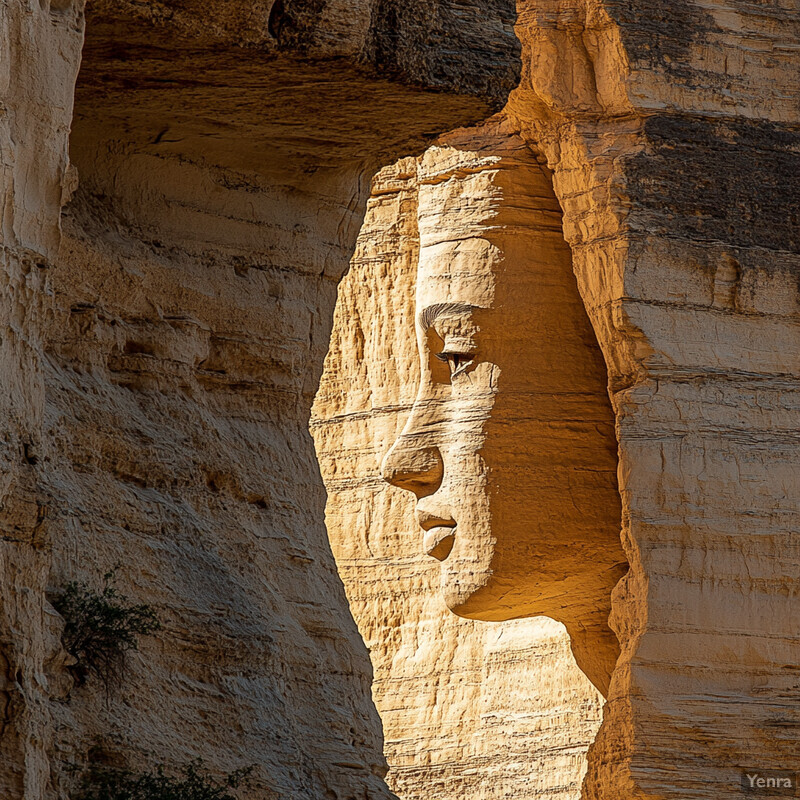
(163, 338)
(161, 355)
(671, 132)
(469, 709)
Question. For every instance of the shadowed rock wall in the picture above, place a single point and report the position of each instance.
(39, 62)
(165, 348)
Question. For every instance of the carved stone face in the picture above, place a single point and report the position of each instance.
(510, 446)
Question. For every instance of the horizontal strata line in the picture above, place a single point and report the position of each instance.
(697, 630)
(360, 562)
(356, 483)
(391, 409)
(780, 381)
(383, 192)
(792, 318)
(709, 531)
(629, 234)
(744, 435)
(319, 422)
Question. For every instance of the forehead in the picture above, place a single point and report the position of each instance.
(457, 272)
(457, 260)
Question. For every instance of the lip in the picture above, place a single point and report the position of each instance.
(438, 542)
(439, 531)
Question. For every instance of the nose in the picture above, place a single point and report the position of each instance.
(414, 465)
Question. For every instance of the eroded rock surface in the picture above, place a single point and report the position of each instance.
(469, 709)
(40, 52)
(160, 361)
(164, 350)
(655, 119)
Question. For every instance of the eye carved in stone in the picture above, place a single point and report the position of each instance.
(458, 362)
(452, 337)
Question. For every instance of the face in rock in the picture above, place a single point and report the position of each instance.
(510, 446)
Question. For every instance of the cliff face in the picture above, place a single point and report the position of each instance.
(653, 119)
(164, 348)
(40, 55)
(688, 268)
(469, 709)
(166, 311)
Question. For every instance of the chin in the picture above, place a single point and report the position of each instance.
(462, 590)
(479, 595)
(466, 575)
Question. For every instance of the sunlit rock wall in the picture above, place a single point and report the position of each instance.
(671, 129)
(469, 709)
(671, 133)
(159, 364)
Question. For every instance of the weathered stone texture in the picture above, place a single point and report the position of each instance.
(160, 361)
(164, 353)
(469, 709)
(674, 158)
(671, 132)
(39, 53)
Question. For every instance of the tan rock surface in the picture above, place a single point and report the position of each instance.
(655, 122)
(39, 55)
(159, 362)
(510, 446)
(478, 710)
(163, 354)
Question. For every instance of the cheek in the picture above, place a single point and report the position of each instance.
(474, 547)
(478, 384)
(466, 410)
(467, 487)
(471, 404)
(466, 473)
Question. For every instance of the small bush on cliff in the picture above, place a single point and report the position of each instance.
(194, 783)
(101, 627)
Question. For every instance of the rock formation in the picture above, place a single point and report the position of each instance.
(509, 447)
(649, 119)
(469, 709)
(167, 307)
(163, 353)
(654, 119)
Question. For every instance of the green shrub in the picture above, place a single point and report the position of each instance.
(101, 627)
(194, 783)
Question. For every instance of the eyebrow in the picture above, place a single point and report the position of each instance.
(429, 315)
